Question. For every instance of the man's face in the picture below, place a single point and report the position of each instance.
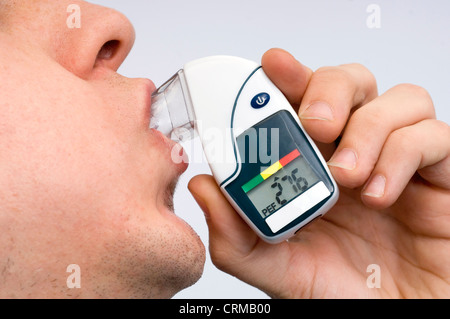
(82, 178)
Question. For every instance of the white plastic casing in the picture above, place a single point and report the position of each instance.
(214, 84)
(218, 86)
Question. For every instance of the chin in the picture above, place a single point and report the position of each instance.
(183, 256)
(155, 256)
(187, 268)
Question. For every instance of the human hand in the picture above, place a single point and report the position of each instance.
(393, 166)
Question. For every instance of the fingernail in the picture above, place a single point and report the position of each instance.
(318, 111)
(346, 159)
(375, 187)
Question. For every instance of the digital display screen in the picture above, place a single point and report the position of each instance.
(280, 180)
(280, 183)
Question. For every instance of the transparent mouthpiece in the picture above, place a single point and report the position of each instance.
(172, 113)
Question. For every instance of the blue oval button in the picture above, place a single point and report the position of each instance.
(260, 100)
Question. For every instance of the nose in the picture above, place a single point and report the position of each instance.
(104, 39)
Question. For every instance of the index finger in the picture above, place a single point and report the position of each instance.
(332, 94)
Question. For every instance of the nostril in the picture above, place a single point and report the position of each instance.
(108, 50)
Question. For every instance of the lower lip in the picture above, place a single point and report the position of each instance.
(175, 151)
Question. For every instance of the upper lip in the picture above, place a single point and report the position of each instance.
(149, 88)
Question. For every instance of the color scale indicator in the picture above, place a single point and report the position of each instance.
(270, 171)
(289, 179)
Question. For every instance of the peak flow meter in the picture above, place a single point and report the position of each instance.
(266, 165)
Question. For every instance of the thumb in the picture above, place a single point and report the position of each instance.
(230, 237)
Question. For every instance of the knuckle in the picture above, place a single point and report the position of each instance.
(417, 92)
(366, 82)
(324, 69)
(362, 70)
(367, 118)
(368, 74)
(443, 128)
(354, 79)
(411, 88)
(402, 139)
(443, 131)
(332, 73)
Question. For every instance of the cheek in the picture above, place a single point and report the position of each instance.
(76, 149)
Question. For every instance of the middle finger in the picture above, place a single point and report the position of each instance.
(369, 128)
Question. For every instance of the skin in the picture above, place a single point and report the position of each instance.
(83, 179)
(390, 157)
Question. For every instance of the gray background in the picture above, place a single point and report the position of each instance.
(412, 45)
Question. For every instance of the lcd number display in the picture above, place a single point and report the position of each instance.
(280, 183)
